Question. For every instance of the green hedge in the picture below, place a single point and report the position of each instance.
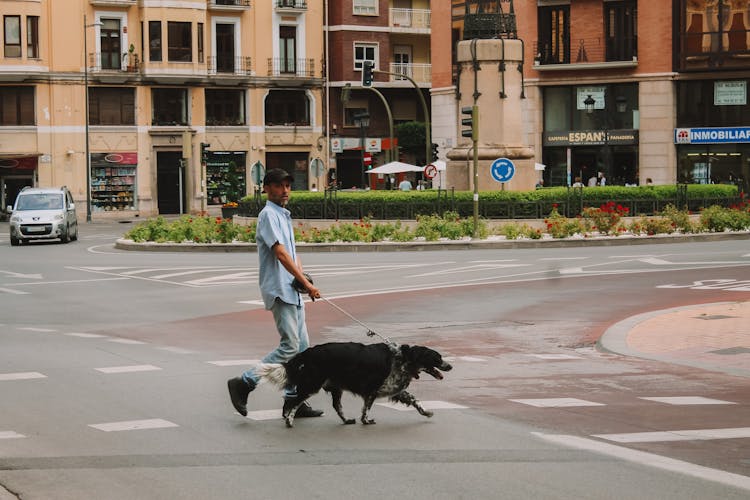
(396, 205)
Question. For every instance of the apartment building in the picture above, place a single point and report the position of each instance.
(395, 36)
(188, 101)
(634, 89)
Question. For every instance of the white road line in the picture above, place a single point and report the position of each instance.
(14, 292)
(553, 356)
(427, 405)
(86, 335)
(556, 402)
(470, 359)
(688, 400)
(687, 435)
(125, 341)
(176, 350)
(128, 369)
(10, 435)
(234, 362)
(649, 460)
(264, 414)
(21, 376)
(134, 425)
(33, 329)
(563, 258)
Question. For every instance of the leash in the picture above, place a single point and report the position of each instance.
(370, 331)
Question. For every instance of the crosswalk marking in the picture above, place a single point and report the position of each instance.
(470, 359)
(34, 329)
(264, 414)
(134, 425)
(125, 341)
(553, 356)
(688, 400)
(684, 435)
(86, 335)
(10, 435)
(427, 405)
(234, 362)
(21, 376)
(128, 369)
(556, 402)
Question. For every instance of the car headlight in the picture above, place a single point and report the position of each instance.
(15, 218)
(58, 216)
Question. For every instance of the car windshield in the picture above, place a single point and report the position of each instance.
(40, 201)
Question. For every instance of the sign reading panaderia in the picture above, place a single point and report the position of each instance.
(712, 135)
(590, 137)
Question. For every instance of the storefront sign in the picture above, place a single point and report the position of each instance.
(337, 145)
(712, 135)
(372, 145)
(730, 93)
(590, 137)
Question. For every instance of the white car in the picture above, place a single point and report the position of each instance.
(43, 213)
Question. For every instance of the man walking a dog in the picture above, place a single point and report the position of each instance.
(279, 266)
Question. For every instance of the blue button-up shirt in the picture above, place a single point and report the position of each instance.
(275, 226)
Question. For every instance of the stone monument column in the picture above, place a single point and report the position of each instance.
(498, 95)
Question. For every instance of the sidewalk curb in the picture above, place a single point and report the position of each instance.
(614, 340)
(418, 246)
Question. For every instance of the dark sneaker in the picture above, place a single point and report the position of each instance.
(305, 411)
(238, 391)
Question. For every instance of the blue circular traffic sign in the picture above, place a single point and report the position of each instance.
(502, 170)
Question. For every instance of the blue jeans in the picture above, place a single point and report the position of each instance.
(290, 322)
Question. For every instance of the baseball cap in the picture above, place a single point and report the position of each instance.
(277, 175)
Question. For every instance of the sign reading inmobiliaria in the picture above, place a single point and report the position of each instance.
(712, 135)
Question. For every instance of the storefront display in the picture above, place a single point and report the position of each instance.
(225, 175)
(113, 181)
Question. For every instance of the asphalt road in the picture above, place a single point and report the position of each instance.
(113, 368)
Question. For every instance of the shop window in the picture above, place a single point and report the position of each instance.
(154, 41)
(170, 106)
(700, 104)
(225, 174)
(113, 181)
(553, 45)
(179, 41)
(17, 106)
(12, 35)
(111, 106)
(287, 108)
(225, 107)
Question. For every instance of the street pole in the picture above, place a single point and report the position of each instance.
(86, 118)
(389, 156)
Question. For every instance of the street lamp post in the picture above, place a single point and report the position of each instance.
(621, 104)
(86, 113)
(362, 120)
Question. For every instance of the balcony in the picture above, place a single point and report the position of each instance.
(223, 65)
(112, 63)
(410, 20)
(113, 3)
(715, 50)
(281, 67)
(228, 5)
(420, 73)
(586, 53)
(291, 5)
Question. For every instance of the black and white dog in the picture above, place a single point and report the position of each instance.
(370, 371)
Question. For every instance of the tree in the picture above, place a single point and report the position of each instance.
(411, 139)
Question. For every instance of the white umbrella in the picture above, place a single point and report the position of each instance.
(395, 167)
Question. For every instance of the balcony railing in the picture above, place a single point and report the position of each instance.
(218, 4)
(410, 18)
(715, 49)
(99, 62)
(291, 4)
(586, 51)
(420, 73)
(238, 65)
(278, 66)
(112, 3)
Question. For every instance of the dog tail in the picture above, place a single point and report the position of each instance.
(272, 372)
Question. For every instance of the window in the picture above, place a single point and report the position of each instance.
(288, 49)
(201, 50)
(32, 37)
(17, 106)
(364, 52)
(350, 113)
(12, 30)
(365, 7)
(697, 106)
(620, 24)
(111, 44)
(225, 107)
(179, 42)
(287, 107)
(170, 106)
(154, 41)
(553, 46)
(111, 106)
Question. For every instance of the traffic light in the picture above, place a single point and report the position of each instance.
(367, 67)
(204, 152)
(472, 122)
(434, 152)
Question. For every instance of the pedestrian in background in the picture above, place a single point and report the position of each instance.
(279, 265)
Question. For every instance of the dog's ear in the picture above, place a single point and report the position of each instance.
(406, 351)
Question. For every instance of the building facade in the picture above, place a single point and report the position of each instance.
(393, 35)
(180, 105)
(640, 91)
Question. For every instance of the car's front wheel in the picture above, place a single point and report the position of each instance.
(65, 236)
(14, 241)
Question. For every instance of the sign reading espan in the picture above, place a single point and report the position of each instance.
(590, 137)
